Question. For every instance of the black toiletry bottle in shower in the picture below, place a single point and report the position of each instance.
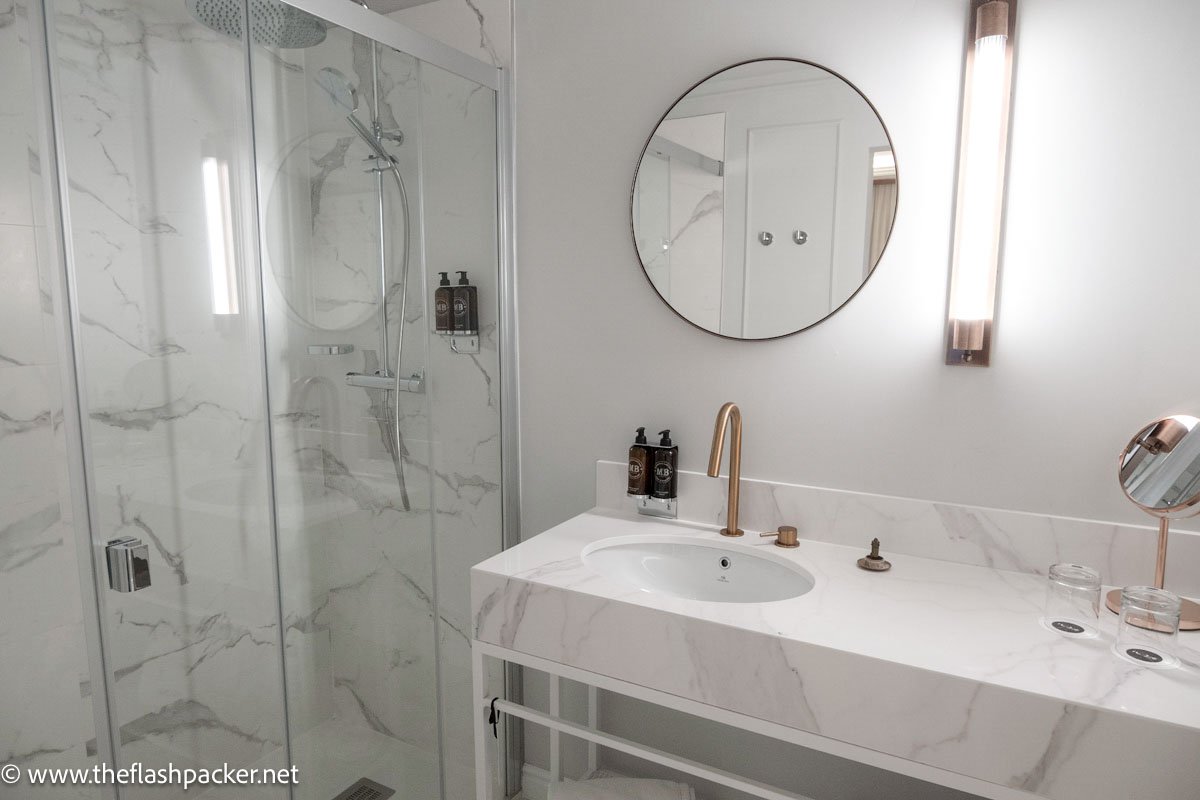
(640, 466)
(465, 307)
(666, 460)
(443, 302)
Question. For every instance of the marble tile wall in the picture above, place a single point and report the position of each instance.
(1008, 540)
(355, 545)
(371, 574)
(45, 704)
(177, 411)
(459, 123)
(173, 391)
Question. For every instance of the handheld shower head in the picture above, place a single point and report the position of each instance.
(338, 87)
(345, 98)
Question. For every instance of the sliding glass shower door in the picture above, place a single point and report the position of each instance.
(376, 171)
(151, 110)
(338, 137)
(252, 233)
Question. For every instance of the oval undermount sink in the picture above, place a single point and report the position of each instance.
(697, 570)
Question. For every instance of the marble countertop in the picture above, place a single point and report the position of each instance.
(965, 677)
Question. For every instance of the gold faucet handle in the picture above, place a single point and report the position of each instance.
(784, 537)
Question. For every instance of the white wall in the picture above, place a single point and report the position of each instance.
(1096, 317)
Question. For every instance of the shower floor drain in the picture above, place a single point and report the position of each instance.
(365, 789)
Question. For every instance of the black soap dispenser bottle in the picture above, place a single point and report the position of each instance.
(466, 307)
(443, 301)
(640, 466)
(666, 461)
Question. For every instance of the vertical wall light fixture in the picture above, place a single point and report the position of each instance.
(222, 258)
(982, 156)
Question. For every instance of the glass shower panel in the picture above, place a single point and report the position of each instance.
(46, 695)
(155, 151)
(338, 151)
(458, 135)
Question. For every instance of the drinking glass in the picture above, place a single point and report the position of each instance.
(1072, 601)
(1148, 628)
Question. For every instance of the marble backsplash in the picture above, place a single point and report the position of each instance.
(1009, 540)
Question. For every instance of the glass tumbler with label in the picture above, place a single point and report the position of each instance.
(1148, 627)
(1072, 600)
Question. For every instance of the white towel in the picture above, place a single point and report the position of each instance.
(621, 789)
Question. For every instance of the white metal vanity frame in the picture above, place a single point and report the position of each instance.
(489, 757)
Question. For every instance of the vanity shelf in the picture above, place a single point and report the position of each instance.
(971, 692)
(488, 758)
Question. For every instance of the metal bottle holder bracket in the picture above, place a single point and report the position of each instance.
(463, 344)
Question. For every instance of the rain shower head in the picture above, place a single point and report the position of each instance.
(272, 23)
(338, 87)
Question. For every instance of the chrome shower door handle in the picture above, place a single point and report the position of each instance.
(128, 564)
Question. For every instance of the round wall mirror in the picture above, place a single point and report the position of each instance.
(764, 199)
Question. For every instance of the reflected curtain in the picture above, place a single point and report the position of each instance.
(883, 210)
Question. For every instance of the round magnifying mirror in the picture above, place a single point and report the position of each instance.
(1160, 473)
(1160, 468)
(764, 198)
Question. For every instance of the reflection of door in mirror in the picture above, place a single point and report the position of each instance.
(764, 199)
(798, 159)
(791, 186)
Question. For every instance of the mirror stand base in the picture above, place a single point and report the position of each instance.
(1189, 612)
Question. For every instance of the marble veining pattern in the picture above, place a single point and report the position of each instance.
(359, 571)
(45, 718)
(987, 692)
(179, 456)
(1007, 540)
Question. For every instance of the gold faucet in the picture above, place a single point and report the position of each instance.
(729, 415)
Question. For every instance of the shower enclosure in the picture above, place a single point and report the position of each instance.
(219, 251)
